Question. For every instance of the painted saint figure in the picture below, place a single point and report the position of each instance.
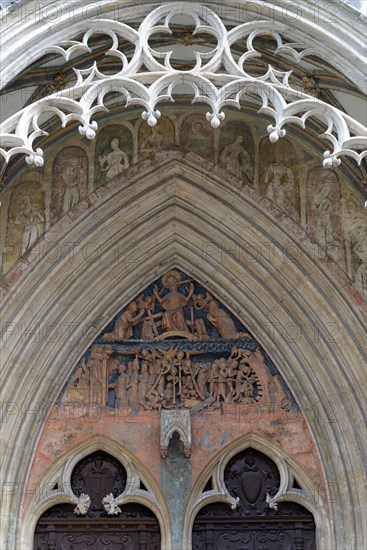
(236, 159)
(198, 141)
(72, 174)
(115, 162)
(27, 216)
(281, 187)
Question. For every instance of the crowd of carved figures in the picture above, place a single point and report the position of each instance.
(164, 351)
(154, 379)
(318, 199)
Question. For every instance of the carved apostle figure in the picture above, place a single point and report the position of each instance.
(173, 302)
(98, 373)
(221, 320)
(121, 385)
(124, 325)
(132, 384)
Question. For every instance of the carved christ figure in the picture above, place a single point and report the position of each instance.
(173, 303)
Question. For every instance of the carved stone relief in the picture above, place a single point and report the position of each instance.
(176, 347)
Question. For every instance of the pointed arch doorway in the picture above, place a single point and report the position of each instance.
(174, 350)
(97, 522)
(253, 521)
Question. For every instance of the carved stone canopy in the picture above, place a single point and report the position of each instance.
(175, 421)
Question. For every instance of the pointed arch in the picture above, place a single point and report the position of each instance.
(60, 474)
(176, 202)
(308, 497)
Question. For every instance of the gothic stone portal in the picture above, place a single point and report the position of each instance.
(175, 352)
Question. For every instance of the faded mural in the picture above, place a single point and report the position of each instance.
(324, 215)
(113, 154)
(237, 151)
(279, 175)
(26, 221)
(286, 174)
(69, 181)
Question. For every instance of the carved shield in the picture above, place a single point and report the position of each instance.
(251, 486)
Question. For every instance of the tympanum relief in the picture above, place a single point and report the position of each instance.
(176, 346)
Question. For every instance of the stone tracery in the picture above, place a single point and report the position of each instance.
(148, 89)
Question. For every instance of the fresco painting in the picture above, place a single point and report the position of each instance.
(69, 181)
(197, 135)
(113, 154)
(237, 151)
(323, 207)
(279, 175)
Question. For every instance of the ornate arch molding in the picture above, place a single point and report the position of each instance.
(183, 209)
(288, 470)
(148, 79)
(60, 475)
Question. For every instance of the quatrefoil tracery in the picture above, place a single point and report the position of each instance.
(149, 77)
